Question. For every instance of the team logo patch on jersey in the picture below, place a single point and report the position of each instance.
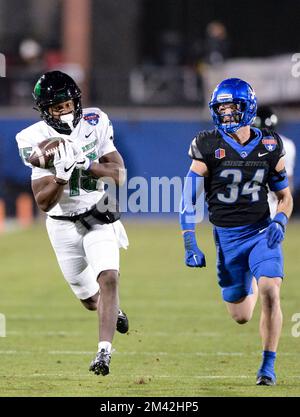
(269, 143)
(244, 154)
(220, 153)
(92, 118)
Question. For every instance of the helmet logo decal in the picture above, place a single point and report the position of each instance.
(220, 153)
(37, 88)
(221, 97)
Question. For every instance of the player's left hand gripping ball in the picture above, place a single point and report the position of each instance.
(64, 161)
(193, 255)
(276, 230)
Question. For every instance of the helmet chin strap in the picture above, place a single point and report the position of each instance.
(68, 118)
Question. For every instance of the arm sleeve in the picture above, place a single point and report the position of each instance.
(278, 180)
(189, 210)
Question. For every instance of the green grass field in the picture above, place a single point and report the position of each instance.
(181, 340)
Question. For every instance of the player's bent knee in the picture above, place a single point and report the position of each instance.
(240, 312)
(270, 294)
(241, 318)
(270, 300)
(89, 305)
(108, 279)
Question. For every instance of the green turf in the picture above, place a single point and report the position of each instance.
(181, 340)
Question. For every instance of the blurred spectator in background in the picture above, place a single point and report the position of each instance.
(211, 50)
(29, 66)
(30, 52)
(171, 48)
(267, 118)
(216, 43)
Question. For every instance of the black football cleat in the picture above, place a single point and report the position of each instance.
(122, 322)
(265, 380)
(100, 365)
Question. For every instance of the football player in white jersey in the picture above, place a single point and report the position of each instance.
(267, 118)
(85, 242)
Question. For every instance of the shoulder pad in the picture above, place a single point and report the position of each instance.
(201, 144)
(33, 134)
(91, 110)
(207, 135)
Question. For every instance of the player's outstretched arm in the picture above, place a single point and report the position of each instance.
(193, 185)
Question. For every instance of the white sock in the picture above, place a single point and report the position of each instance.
(104, 345)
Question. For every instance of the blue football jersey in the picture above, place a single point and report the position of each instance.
(236, 188)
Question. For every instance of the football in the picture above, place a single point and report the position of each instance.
(42, 155)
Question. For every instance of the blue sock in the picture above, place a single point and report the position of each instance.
(267, 365)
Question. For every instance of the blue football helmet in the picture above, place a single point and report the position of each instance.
(233, 90)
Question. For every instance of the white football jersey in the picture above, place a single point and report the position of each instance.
(94, 133)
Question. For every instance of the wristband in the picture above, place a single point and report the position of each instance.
(90, 163)
(189, 240)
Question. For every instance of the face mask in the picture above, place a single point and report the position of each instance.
(68, 118)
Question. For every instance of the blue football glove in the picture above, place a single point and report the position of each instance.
(193, 255)
(276, 230)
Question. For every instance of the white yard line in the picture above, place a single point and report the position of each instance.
(46, 333)
(152, 377)
(135, 353)
(136, 332)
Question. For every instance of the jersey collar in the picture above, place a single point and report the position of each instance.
(243, 150)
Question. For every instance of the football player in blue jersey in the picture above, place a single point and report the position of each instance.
(237, 163)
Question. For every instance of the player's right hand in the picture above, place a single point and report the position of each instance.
(275, 234)
(276, 230)
(64, 161)
(82, 161)
(194, 258)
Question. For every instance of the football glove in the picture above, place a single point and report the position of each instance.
(82, 161)
(193, 255)
(64, 161)
(276, 230)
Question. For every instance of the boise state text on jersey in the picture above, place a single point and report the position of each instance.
(236, 189)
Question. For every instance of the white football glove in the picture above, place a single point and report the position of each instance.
(82, 161)
(64, 161)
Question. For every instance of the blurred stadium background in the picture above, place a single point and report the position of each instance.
(151, 65)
